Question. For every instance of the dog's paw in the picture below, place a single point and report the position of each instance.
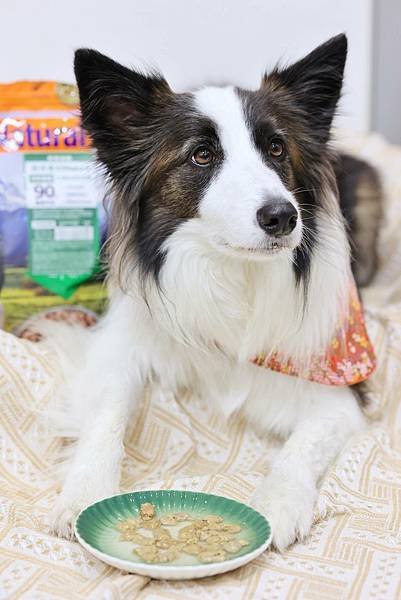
(68, 506)
(289, 508)
(62, 518)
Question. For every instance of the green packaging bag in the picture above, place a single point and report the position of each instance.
(64, 237)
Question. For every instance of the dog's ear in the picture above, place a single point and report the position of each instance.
(115, 100)
(314, 82)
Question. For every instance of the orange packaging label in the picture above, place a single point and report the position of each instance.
(40, 116)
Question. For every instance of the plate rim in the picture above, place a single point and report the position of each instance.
(161, 571)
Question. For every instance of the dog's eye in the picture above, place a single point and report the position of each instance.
(276, 148)
(202, 156)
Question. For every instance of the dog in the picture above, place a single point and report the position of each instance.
(228, 250)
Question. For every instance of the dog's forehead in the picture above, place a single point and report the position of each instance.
(225, 108)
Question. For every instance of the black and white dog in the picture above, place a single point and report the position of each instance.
(228, 239)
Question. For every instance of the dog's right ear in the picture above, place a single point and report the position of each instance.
(115, 100)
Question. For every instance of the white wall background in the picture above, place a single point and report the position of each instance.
(191, 41)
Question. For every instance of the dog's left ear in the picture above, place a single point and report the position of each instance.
(314, 83)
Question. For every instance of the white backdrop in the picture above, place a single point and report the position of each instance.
(191, 41)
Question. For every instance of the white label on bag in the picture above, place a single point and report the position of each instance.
(60, 180)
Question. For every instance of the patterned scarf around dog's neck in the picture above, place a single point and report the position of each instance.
(349, 359)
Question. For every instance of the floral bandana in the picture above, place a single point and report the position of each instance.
(348, 360)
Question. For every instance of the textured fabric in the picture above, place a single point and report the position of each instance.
(354, 550)
(349, 358)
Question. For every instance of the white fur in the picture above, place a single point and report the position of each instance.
(245, 184)
(215, 311)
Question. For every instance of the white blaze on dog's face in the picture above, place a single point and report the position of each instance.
(246, 209)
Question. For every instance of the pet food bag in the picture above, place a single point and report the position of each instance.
(51, 202)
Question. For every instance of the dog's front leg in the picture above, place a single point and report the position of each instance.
(287, 496)
(100, 397)
(95, 469)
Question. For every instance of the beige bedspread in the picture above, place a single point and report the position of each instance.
(355, 547)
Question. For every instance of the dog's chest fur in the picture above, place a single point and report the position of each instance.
(211, 314)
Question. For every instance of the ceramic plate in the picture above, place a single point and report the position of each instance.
(96, 530)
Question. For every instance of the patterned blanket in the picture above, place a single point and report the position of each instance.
(354, 550)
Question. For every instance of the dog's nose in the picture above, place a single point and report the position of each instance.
(277, 218)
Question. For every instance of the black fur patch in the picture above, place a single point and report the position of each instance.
(144, 135)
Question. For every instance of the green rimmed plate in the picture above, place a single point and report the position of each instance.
(96, 530)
